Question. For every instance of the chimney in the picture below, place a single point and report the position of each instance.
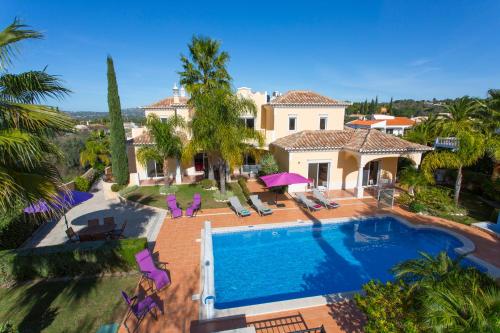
(176, 94)
(183, 91)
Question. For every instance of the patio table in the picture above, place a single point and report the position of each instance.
(96, 231)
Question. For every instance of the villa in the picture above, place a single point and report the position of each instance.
(384, 123)
(304, 131)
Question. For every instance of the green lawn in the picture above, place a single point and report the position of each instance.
(150, 195)
(66, 306)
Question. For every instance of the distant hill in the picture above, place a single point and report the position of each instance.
(130, 114)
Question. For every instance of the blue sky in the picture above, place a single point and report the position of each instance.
(348, 50)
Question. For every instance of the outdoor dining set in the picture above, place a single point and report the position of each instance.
(96, 231)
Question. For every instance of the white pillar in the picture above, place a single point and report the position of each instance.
(359, 185)
(178, 176)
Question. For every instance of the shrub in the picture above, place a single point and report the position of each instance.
(7, 327)
(207, 183)
(416, 207)
(82, 184)
(116, 187)
(268, 165)
(404, 199)
(242, 181)
(437, 200)
(16, 228)
(82, 259)
(494, 214)
(128, 190)
(222, 197)
(386, 308)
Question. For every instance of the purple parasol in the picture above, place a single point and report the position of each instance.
(283, 179)
(63, 201)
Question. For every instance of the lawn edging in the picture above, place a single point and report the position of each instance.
(70, 260)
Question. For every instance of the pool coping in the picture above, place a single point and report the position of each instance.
(210, 312)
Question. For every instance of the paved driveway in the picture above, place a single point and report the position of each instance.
(141, 221)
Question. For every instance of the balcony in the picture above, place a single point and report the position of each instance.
(447, 143)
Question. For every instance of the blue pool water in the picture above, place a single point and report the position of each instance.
(260, 266)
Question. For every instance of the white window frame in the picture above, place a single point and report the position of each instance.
(323, 116)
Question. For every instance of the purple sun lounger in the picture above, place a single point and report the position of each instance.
(173, 207)
(195, 206)
(141, 308)
(150, 271)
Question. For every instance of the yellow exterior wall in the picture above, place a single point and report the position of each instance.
(389, 168)
(344, 166)
(307, 119)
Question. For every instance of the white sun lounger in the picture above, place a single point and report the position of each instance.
(311, 205)
(238, 208)
(323, 200)
(259, 206)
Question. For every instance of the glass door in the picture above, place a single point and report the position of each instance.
(370, 173)
(319, 173)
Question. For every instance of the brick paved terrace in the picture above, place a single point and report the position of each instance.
(178, 244)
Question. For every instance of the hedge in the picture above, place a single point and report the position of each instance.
(15, 228)
(76, 259)
(242, 181)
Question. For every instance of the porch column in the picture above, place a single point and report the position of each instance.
(359, 185)
(178, 176)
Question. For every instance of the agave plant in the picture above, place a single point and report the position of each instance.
(25, 125)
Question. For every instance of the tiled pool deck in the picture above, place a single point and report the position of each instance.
(178, 245)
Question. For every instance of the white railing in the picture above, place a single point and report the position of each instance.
(449, 143)
(207, 299)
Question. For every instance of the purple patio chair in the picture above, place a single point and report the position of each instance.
(150, 271)
(173, 207)
(195, 206)
(141, 308)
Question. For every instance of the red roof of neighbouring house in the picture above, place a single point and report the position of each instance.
(400, 121)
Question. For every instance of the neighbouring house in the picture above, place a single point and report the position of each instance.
(383, 122)
(306, 134)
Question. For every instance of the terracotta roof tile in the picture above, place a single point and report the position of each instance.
(400, 121)
(143, 139)
(361, 122)
(168, 102)
(303, 97)
(360, 140)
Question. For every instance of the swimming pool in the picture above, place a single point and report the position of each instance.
(275, 263)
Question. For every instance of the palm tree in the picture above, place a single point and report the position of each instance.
(473, 143)
(96, 150)
(460, 116)
(25, 126)
(168, 142)
(218, 130)
(205, 68)
(425, 132)
(449, 297)
(413, 178)
(471, 147)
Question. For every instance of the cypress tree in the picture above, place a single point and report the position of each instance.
(119, 160)
(390, 107)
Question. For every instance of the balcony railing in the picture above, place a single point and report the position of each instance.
(250, 168)
(447, 143)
